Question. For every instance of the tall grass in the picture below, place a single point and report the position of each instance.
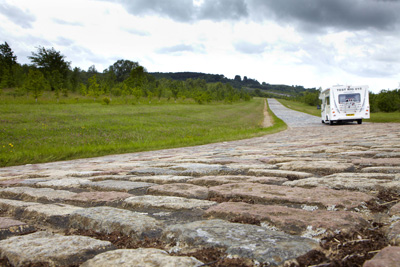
(49, 130)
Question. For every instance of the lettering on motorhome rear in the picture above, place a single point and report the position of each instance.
(344, 103)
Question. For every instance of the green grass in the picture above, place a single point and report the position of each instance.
(379, 117)
(302, 107)
(384, 117)
(49, 131)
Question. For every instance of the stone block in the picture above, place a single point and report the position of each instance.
(15, 207)
(123, 186)
(98, 198)
(228, 179)
(10, 227)
(161, 179)
(240, 240)
(36, 194)
(48, 249)
(388, 257)
(166, 202)
(319, 167)
(55, 214)
(356, 183)
(180, 190)
(291, 175)
(275, 194)
(108, 220)
(290, 220)
(144, 257)
(64, 183)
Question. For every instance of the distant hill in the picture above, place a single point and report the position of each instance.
(245, 83)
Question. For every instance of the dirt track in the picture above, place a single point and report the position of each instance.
(327, 192)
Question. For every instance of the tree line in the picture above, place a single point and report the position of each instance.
(50, 71)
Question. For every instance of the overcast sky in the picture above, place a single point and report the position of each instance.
(314, 43)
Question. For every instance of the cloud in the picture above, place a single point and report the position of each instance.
(307, 15)
(137, 32)
(17, 16)
(64, 41)
(217, 10)
(250, 48)
(312, 15)
(188, 10)
(180, 10)
(179, 49)
(69, 23)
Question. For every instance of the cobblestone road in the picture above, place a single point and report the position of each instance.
(265, 200)
(293, 118)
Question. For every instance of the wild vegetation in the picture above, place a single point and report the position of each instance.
(50, 71)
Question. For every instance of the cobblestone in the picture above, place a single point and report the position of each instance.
(310, 181)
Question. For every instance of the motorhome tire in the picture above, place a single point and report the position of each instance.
(330, 122)
(359, 121)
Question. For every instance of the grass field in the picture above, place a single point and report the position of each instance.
(50, 131)
(378, 117)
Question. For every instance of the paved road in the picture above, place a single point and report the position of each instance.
(291, 188)
(291, 117)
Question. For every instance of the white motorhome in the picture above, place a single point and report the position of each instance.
(344, 103)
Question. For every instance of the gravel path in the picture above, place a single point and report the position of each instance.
(291, 117)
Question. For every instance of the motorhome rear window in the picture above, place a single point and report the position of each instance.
(349, 97)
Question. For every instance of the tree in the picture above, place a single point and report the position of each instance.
(7, 62)
(50, 60)
(7, 56)
(137, 77)
(56, 82)
(75, 78)
(122, 69)
(237, 78)
(35, 83)
(92, 70)
(94, 87)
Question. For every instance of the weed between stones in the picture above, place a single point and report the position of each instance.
(353, 249)
(386, 199)
(119, 240)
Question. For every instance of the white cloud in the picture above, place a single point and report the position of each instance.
(271, 41)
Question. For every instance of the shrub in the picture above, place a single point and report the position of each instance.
(106, 100)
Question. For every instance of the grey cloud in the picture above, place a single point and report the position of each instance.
(312, 15)
(178, 10)
(186, 10)
(250, 48)
(223, 9)
(308, 15)
(17, 16)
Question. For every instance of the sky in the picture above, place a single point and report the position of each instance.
(312, 43)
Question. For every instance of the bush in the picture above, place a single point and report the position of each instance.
(388, 101)
(106, 100)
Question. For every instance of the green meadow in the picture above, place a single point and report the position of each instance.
(378, 117)
(53, 130)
